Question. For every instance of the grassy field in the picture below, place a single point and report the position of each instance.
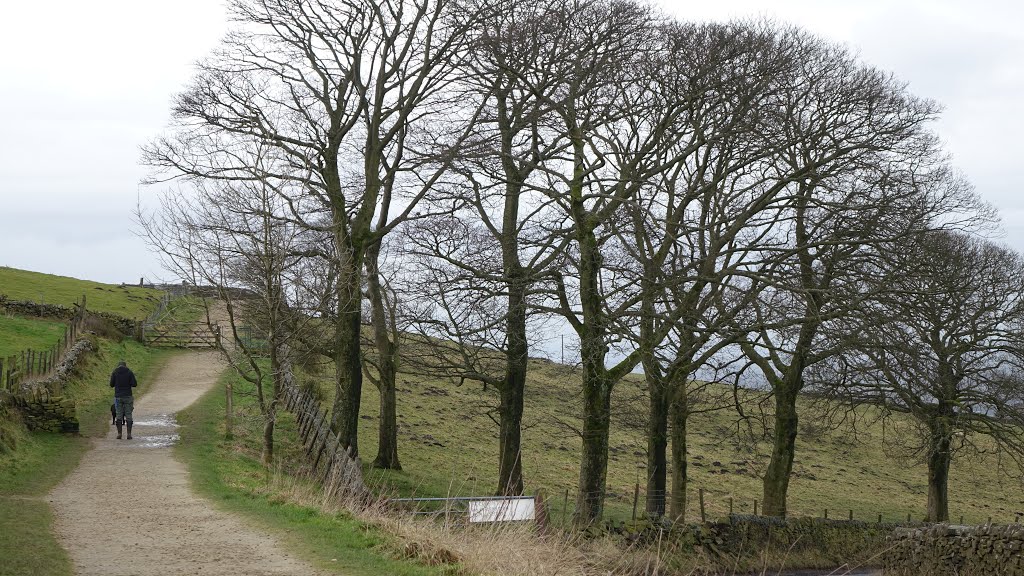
(40, 462)
(229, 472)
(126, 301)
(448, 445)
(17, 334)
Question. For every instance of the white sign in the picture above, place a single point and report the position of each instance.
(504, 510)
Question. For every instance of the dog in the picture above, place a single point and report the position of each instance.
(113, 414)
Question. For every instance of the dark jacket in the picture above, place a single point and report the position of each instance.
(122, 380)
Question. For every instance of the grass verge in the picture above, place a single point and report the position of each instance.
(229, 473)
(42, 460)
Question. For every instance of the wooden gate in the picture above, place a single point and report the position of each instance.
(181, 335)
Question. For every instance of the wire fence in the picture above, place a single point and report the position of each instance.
(704, 505)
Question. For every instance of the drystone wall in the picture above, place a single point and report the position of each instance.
(46, 413)
(942, 550)
(42, 404)
(23, 308)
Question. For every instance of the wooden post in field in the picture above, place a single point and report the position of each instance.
(730, 505)
(229, 402)
(540, 510)
(962, 519)
(879, 518)
(908, 517)
(636, 497)
(755, 506)
(826, 513)
(700, 497)
(851, 515)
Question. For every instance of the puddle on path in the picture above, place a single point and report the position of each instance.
(154, 431)
(156, 441)
(161, 420)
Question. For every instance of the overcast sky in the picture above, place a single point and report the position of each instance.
(83, 84)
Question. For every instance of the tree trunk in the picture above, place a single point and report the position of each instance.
(776, 479)
(387, 430)
(938, 473)
(347, 363)
(510, 461)
(270, 412)
(597, 389)
(597, 383)
(657, 443)
(594, 462)
(680, 414)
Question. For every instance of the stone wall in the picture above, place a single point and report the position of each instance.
(23, 308)
(942, 550)
(126, 326)
(41, 403)
(54, 383)
(45, 412)
(838, 541)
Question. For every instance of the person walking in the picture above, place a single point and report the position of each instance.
(122, 380)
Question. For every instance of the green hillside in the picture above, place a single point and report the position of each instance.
(17, 334)
(126, 301)
(448, 445)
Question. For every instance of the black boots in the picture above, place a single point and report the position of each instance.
(118, 429)
(129, 429)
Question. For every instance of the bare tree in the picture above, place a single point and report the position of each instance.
(338, 91)
(235, 237)
(596, 90)
(699, 221)
(943, 344)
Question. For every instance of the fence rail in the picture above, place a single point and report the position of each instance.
(33, 364)
(336, 466)
(181, 335)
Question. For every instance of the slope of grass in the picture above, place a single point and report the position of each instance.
(229, 472)
(17, 334)
(126, 301)
(27, 545)
(448, 445)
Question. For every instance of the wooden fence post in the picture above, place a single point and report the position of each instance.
(851, 515)
(730, 505)
(755, 507)
(700, 496)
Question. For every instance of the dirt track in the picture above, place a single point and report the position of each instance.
(128, 510)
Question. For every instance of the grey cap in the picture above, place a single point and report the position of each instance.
(122, 363)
